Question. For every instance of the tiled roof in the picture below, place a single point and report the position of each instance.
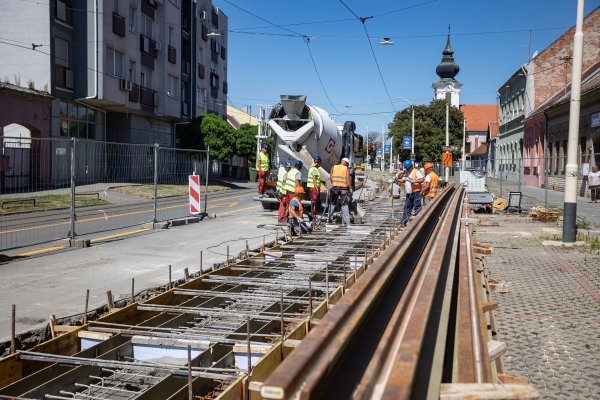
(480, 151)
(494, 129)
(478, 116)
(23, 90)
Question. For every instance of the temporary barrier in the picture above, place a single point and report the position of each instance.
(194, 194)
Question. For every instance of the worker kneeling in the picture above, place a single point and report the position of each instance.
(296, 213)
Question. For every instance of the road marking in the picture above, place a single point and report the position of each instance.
(230, 204)
(116, 235)
(241, 209)
(40, 251)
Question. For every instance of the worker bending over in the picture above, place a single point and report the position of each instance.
(412, 185)
(262, 165)
(314, 184)
(281, 191)
(430, 184)
(340, 191)
(296, 217)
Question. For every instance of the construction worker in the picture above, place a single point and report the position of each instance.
(430, 185)
(340, 191)
(314, 184)
(412, 184)
(293, 180)
(281, 191)
(296, 214)
(262, 165)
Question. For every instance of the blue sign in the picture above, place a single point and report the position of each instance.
(379, 152)
(386, 149)
(407, 142)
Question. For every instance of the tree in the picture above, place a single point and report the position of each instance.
(374, 140)
(245, 142)
(219, 136)
(430, 130)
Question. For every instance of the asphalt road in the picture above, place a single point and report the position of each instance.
(22, 230)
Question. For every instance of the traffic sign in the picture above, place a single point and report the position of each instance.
(407, 142)
(447, 159)
(450, 148)
(194, 184)
(379, 152)
(386, 149)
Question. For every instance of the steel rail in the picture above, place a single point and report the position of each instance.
(331, 360)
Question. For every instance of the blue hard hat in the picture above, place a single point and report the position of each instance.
(298, 163)
(318, 159)
(287, 164)
(407, 164)
(265, 146)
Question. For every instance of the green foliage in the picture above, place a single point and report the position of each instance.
(191, 136)
(219, 136)
(430, 130)
(245, 141)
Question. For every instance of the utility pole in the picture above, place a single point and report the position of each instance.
(447, 136)
(412, 143)
(391, 151)
(382, 147)
(464, 149)
(367, 160)
(570, 206)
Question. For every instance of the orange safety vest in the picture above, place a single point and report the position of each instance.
(338, 176)
(433, 185)
(300, 206)
(416, 187)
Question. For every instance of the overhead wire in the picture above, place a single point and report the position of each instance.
(363, 22)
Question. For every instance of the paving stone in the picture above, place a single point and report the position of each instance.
(548, 319)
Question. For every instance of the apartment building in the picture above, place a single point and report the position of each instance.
(121, 71)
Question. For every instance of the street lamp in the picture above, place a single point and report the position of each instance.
(412, 143)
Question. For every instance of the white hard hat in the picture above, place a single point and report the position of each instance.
(345, 159)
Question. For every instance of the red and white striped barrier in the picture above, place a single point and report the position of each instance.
(194, 185)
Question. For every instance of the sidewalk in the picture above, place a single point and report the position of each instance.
(534, 196)
(550, 316)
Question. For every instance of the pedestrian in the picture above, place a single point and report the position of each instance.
(412, 185)
(296, 216)
(430, 184)
(314, 184)
(340, 191)
(281, 191)
(594, 182)
(262, 165)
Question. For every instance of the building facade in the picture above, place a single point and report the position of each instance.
(128, 72)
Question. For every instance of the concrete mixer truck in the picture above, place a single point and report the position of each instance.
(302, 132)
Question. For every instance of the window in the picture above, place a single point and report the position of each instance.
(131, 75)
(146, 28)
(172, 85)
(114, 62)
(116, 6)
(131, 19)
(78, 121)
(61, 52)
(200, 96)
(146, 78)
(170, 36)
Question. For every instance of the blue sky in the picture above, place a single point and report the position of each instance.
(490, 39)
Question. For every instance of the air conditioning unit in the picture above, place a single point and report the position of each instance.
(132, 28)
(202, 15)
(126, 85)
(156, 45)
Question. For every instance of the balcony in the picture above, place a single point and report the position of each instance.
(118, 25)
(172, 55)
(63, 77)
(63, 12)
(201, 71)
(147, 46)
(147, 97)
(134, 94)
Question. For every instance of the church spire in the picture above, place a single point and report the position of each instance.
(447, 69)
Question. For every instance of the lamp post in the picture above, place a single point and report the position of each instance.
(412, 142)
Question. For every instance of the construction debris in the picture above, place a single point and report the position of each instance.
(545, 215)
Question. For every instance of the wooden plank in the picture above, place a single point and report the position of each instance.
(10, 370)
(507, 379)
(489, 306)
(64, 328)
(496, 349)
(487, 391)
(94, 335)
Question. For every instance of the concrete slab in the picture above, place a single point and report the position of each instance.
(558, 243)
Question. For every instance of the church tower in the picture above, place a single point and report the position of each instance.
(447, 87)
